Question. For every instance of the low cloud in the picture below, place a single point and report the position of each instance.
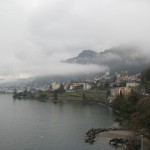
(36, 35)
(68, 69)
(51, 70)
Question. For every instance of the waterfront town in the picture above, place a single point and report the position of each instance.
(111, 84)
(127, 94)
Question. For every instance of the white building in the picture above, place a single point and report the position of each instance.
(86, 86)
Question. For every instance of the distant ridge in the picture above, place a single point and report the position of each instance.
(87, 53)
(85, 57)
(117, 59)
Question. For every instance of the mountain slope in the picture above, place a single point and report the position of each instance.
(85, 57)
(117, 59)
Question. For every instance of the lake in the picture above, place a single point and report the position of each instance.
(36, 125)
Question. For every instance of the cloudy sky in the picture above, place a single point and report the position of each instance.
(36, 34)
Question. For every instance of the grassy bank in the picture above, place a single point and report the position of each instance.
(83, 95)
(67, 95)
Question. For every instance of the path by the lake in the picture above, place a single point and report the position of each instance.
(115, 134)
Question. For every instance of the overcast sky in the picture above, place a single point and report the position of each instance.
(36, 34)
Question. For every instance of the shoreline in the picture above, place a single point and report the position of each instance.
(103, 101)
(115, 134)
(123, 134)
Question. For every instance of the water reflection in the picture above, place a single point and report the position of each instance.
(36, 125)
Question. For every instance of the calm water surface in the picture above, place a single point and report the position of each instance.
(35, 125)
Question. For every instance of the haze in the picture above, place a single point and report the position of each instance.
(36, 35)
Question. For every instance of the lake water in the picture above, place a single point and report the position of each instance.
(35, 125)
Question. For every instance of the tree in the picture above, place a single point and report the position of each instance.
(83, 96)
(141, 117)
(106, 85)
(146, 80)
(55, 96)
(43, 96)
(133, 97)
(61, 89)
(118, 102)
(126, 105)
(108, 93)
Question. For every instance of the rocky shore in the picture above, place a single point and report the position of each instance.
(115, 137)
(92, 134)
(129, 140)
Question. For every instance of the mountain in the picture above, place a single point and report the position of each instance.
(120, 58)
(85, 57)
(87, 53)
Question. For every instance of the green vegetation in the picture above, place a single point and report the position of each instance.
(95, 95)
(108, 93)
(61, 94)
(135, 108)
(55, 96)
(126, 106)
(83, 95)
(134, 111)
(43, 96)
(146, 80)
(28, 95)
(141, 118)
(58, 91)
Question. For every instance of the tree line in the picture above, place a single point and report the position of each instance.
(134, 109)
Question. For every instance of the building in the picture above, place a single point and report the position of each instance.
(80, 85)
(119, 91)
(86, 86)
(55, 85)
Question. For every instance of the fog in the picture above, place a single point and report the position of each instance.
(36, 35)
